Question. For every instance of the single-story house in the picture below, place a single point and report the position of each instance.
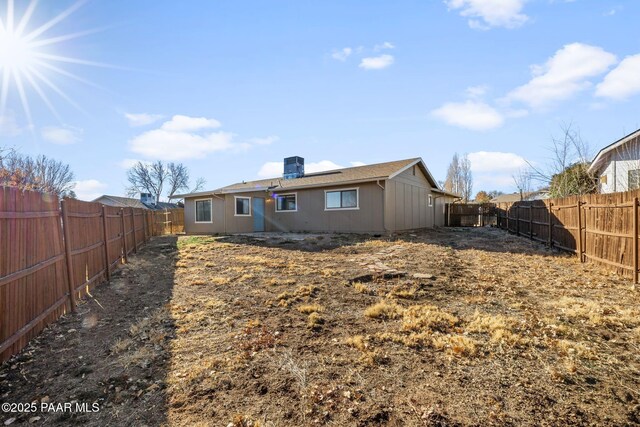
(617, 166)
(379, 198)
(146, 201)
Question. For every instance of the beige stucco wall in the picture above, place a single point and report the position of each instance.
(406, 205)
(310, 216)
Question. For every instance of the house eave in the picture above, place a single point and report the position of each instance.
(599, 158)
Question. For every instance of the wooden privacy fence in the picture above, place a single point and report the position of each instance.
(470, 214)
(167, 221)
(51, 254)
(601, 228)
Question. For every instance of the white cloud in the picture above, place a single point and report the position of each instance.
(166, 145)
(342, 54)
(275, 169)
(484, 14)
(89, 189)
(185, 137)
(623, 81)
(474, 115)
(179, 123)
(494, 170)
(376, 62)
(564, 74)
(477, 91)
(385, 45)
(141, 119)
(66, 135)
(268, 140)
(8, 125)
(495, 161)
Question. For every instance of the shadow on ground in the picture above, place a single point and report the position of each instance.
(111, 356)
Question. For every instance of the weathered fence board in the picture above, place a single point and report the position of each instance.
(470, 214)
(33, 280)
(52, 253)
(599, 228)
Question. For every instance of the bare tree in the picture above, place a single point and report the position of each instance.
(522, 181)
(154, 177)
(567, 172)
(459, 177)
(200, 183)
(40, 173)
(178, 178)
(452, 183)
(466, 178)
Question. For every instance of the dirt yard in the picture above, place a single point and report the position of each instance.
(438, 328)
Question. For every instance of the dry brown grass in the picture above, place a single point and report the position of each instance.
(310, 308)
(485, 319)
(363, 289)
(456, 345)
(427, 317)
(315, 320)
(122, 345)
(286, 298)
(598, 313)
(383, 310)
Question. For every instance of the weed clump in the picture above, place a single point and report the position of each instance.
(384, 310)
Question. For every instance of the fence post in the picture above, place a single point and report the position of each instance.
(531, 222)
(580, 232)
(106, 241)
(133, 226)
(154, 226)
(517, 220)
(507, 209)
(67, 251)
(550, 224)
(144, 226)
(635, 239)
(124, 236)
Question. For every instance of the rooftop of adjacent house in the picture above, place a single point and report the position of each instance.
(356, 174)
(598, 160)
(516, 197)
(128, 202)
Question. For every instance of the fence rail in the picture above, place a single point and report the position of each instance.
(599, 228)
(52, 253)
(470, 214)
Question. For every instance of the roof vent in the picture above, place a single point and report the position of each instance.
(147, 199)
(293, 167)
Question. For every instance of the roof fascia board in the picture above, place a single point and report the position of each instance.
(424, 167)
(611, 147)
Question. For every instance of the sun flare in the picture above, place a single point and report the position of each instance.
(25, 62)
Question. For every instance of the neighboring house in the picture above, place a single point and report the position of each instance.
(146, 201)
(617, 166)
(385, 197)
(517, 197)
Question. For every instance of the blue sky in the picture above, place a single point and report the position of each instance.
(231, 87)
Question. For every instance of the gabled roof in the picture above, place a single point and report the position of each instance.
(343, 176)
(128, 202)
(602, 154)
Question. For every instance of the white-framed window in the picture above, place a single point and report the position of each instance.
(430, 200)
(634, 179)
(342, 199)
(203, 210)
(287, 202)
(242, 206)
